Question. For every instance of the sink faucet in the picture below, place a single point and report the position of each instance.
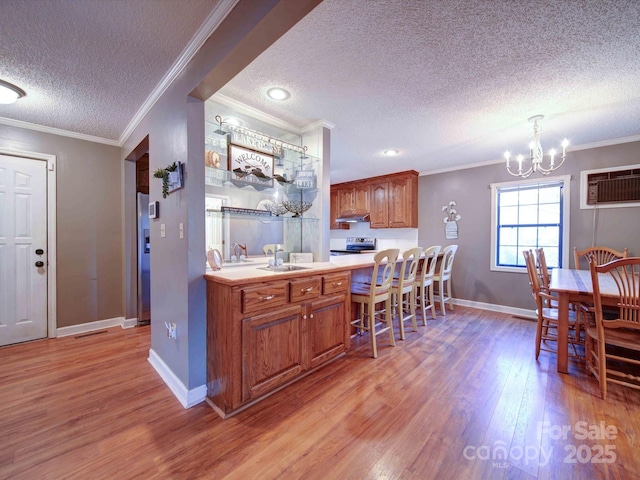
(238, 250)
(276, 248)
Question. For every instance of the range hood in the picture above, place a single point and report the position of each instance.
(353, 216)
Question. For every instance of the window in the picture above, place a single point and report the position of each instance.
(527, 215)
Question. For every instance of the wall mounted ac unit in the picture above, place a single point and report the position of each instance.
(610, 187)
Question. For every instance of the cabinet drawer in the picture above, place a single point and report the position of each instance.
(304, 289)
(335, 283)
(258, 298)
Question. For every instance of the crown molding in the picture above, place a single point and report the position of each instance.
(319, 124)
(605, 143)
(572, 148)
(212, 22)
(255, 113)
(245, 109)
(58, 131)
(461, 167)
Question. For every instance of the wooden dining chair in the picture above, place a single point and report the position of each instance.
(376, 291)
(443, 278)
(424, 283)
(602, 255)
(584, 315)
(269, 249)
(614, 344)
(543, 271)
(403, 291)
(546, 312)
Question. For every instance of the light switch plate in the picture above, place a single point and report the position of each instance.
(163, 232)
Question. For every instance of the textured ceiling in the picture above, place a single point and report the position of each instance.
(452, 82)
(88, 65)
(449, 83)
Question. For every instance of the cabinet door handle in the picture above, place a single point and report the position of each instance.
(304, 317)
(268, 297)
(311, 316)
(337, 284)
(306, 290)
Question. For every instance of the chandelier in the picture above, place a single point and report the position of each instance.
(536, 155)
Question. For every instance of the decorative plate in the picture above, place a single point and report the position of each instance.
(214, 258)
(212, 159)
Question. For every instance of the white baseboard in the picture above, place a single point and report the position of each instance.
(93, 326)
(188, 398)
(518, 312)
(129, 322)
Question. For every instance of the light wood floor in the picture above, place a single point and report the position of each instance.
(435, 406)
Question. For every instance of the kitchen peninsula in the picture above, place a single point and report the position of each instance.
(268, 329)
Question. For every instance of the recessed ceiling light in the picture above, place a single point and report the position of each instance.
(392, 152)
(9, 93)
(278, 93)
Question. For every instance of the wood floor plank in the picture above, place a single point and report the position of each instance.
(435, 406)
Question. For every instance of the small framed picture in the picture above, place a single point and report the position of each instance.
(250, 166)
(305, 179)
(154, 210)
(176, 178)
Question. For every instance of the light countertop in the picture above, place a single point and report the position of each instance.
(239, 274)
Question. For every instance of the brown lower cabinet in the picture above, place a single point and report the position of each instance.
(266, 335)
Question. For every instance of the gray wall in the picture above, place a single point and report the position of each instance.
(472, 279)
(88, 227)
(175, 127)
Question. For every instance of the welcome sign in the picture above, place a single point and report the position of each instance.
(250, 166)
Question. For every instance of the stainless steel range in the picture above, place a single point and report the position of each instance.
(356, 245)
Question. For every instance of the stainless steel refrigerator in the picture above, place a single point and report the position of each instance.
(144, 261)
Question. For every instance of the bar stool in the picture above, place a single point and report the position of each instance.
(424, 282)
(376, 291)
(403, 291)
(443, 278)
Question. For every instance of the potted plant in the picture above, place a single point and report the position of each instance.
(163, 173)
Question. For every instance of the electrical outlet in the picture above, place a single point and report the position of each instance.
(172, 330)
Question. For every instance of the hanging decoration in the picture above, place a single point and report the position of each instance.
(172, 178)
(451, 220)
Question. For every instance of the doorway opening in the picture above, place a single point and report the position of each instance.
(142, 237)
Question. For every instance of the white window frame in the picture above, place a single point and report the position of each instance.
(566, 211)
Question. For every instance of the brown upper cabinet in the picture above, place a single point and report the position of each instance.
(142, 174)
(391, 200)
(350, 196)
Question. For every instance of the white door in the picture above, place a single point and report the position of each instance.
(214, 237)
(23, 249)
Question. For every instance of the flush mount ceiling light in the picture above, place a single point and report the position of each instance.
(392, 152)
(536, 155)
(9, 93)
(278, 93)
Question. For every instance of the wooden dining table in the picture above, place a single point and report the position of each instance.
(573, 286)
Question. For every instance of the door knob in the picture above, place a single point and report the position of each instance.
(39, 264)
(39, 251)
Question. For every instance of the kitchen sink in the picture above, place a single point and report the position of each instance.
(283, 268)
